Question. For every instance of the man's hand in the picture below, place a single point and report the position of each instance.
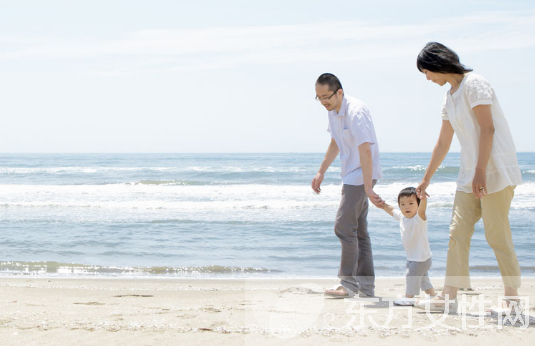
(316, 182)
(375, 198)
(331, 154)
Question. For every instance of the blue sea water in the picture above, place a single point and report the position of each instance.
(222, 215)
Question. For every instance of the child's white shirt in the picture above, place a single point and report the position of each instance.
(413, 236)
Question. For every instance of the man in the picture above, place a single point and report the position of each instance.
(353, 136)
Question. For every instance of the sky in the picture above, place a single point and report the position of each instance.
(114, 76)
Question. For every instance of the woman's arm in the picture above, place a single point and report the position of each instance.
(484, 119)
(439, 153)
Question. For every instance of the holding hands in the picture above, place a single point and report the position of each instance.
(420, 189)
(375, 198)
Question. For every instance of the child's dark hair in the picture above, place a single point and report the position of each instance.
(407, 192)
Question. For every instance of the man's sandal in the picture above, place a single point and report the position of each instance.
(348, 294)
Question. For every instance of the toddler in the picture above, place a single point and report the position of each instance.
(413, 228)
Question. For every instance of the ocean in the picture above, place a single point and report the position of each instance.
(218, 215)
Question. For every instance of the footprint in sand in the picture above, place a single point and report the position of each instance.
(210, 309)
(134, 295)
(90, 303)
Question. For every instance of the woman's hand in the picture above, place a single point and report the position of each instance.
(420, 190)
(479, 184)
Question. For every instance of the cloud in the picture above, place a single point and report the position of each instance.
(219, 47)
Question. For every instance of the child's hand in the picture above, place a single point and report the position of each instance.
(388, 208)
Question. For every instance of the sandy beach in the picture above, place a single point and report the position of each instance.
(256, 312)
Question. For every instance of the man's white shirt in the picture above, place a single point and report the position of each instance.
(351, 127)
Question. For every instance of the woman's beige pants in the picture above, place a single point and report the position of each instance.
(467, 211)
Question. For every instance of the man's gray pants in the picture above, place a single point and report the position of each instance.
(351, 227)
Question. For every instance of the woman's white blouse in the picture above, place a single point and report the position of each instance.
(502, 168)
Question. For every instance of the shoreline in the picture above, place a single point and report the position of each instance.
(221, 277)
(259, 311)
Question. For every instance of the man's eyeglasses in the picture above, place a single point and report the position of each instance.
(326, 98)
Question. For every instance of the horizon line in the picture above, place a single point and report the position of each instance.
(213, 153)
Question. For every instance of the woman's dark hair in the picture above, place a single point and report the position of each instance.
(331, 80)
(407, 192)
(436, 57)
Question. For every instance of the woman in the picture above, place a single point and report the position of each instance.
(488, 175)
